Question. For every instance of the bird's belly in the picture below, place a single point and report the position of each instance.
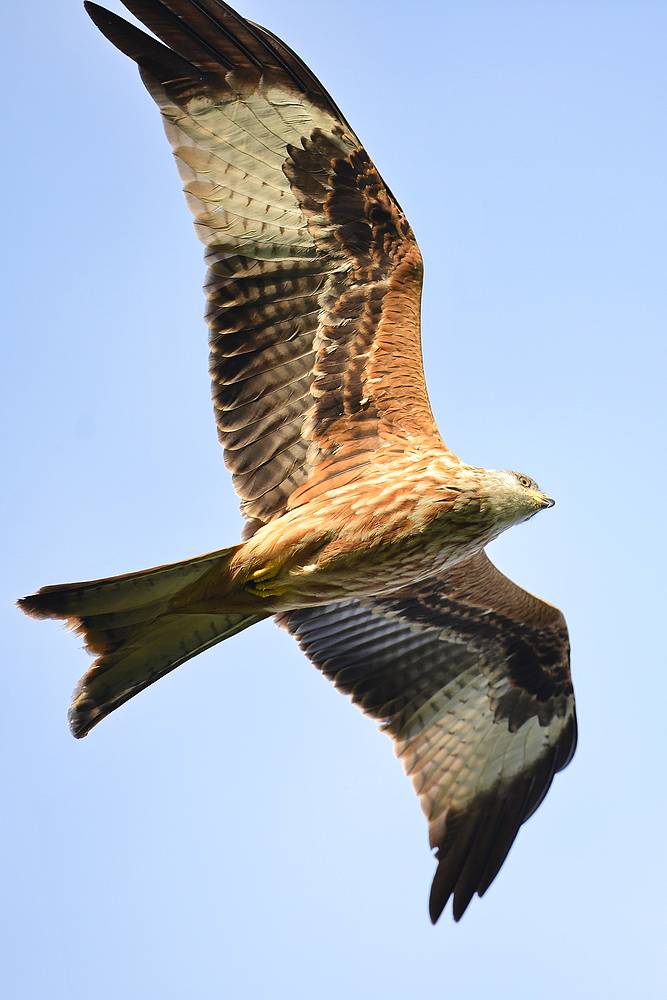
(375, 571)
(362, 542)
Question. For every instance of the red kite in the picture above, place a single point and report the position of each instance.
(365, 534)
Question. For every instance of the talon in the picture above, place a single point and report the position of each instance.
(267, 572)
(263, 582)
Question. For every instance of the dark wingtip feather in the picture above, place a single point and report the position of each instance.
(476, 845)
(461, 834)
(159, 60)
(110, 24)
(435, 908)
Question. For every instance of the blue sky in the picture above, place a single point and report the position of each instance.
(239, 830)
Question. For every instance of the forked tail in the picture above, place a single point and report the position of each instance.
(140, 627)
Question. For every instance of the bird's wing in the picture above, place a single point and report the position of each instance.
(314, 278)
(469, 674)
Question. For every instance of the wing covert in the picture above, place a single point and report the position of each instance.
(469, 675)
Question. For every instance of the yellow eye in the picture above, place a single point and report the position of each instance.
(524, 481)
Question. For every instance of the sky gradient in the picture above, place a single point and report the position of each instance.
(239, 830)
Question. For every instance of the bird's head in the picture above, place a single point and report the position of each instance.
(530, 487)
(514, 497)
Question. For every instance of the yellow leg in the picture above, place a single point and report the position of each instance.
(263, 582)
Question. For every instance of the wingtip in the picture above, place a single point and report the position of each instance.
(436, 905)
(95, 12)
(106, 21)
(459, 907)
(436, 911)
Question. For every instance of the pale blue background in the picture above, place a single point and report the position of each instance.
(240, 831)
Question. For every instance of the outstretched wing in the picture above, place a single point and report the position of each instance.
(470, 676)
(314, 278)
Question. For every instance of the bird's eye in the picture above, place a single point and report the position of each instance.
(526, 482)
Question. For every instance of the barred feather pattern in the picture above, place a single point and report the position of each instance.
(314, 276)
(469, 675)
(313, 290)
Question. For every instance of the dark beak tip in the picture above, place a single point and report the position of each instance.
(548, 502)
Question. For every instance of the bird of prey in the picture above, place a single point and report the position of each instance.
(365, 534)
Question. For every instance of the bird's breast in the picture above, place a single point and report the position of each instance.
(368, 543)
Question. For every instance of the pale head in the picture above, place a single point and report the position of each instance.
(513, 497)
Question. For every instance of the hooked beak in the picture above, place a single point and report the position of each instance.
(544, 502)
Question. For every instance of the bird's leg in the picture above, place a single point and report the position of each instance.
(264, 582)
(266, 565)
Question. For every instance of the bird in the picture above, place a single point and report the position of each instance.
(365, 534)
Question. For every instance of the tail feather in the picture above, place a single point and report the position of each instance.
(121, 593)
(140, 626)
(148, 654)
